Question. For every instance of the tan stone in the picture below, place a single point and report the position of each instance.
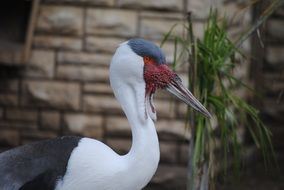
(9, 137)
(21, 114)
(184, 155)
(100, 2)
(111, 22)
(17, 124)
(117, 126)
(86, 125)
(50, 120)
(155, 29)
(169, 48)
(102, 44)
(60, 20)
(200, 9)
(198, 29)
(168, 151)
(11, 56)
(9, 85)
(37, 135)
(235, 14)
(184, 78)
(58, 42)
(170, 177)
(121, 146)
(83, 73)
(82, 58)
(182, 110)
(275, 55)
(273, 87)
(101, 104)
(84, 2)
(157, 4)
(172, 129)
(162, 95)
(276, 29)
(97, 88)
(165, 109)
(52, 94)
(41, 64)
(161, 15)
(8, 99)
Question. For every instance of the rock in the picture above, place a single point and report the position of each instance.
(97, 88)
(60, 20)
(18, 125)
(111, 22)
(168, 151)
(155, 29)
(8, 99)
(9, 85)
(53, 94)
(82, 58)
(172, 130)
(181, 110)
(121, 146)
(103, 104)
(176, 5)
(198, 29)
(83, 2)
(86, 125)
(275, 55)
(100, 2)
(184, 155)
(236, 14)
(164, 109)
(161, 15)
(50, 120)
(10, 54)
(36, 135)
(39, 67)
(58, 42)
(200, 9)
(162, 95)
(27, 115)
(117, 126)
(168, 178)
(275, 29)
(9, 137)
(82, 73)
(102, 44)
(169, 48)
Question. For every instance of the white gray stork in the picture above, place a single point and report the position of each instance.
(137, 70)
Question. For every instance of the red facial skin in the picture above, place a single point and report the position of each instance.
(156, 75)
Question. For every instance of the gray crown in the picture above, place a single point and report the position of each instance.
(146, 48)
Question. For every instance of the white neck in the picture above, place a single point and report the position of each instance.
(143, 157)
(127, 82)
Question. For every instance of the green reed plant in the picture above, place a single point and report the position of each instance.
(211, 62)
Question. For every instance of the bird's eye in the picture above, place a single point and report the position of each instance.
(147, 60)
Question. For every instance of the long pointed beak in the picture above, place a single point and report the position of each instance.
(177, 88)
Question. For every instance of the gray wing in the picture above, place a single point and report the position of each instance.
(37, 165)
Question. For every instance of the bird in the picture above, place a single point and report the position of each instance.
(137, 70)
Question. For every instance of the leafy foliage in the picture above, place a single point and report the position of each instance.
(211, 62)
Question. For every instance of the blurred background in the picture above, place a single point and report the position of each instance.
(54, 59)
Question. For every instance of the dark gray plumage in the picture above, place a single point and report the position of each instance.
(146, 48)
(37, 165)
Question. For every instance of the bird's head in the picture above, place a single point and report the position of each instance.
(139, 61)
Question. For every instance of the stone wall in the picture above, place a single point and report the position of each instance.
(269, 80)
(65, 90)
